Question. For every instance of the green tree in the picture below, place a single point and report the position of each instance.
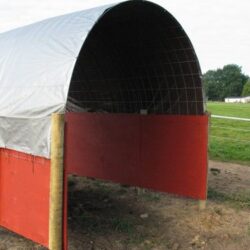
(246, 89)
(225, 82)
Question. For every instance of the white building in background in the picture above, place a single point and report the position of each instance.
(238, 99)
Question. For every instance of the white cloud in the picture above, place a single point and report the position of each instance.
(219, 29)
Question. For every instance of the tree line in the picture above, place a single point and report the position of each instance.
(226, 82)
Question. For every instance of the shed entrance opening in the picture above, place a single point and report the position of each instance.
(137, 57)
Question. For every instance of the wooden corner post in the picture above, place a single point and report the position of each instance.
(203, 203)
(56, 183)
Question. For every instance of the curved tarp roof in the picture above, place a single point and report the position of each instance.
(36, 67)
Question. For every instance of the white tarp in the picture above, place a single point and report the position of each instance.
(36, 65)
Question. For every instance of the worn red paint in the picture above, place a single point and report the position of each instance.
(167, 153)
(24, 195)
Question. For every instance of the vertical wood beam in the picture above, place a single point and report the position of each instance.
(202, 204)
(56, 182)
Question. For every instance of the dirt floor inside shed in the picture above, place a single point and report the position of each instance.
(109, 216)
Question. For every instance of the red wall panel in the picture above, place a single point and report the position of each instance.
(161, 152)
(165, 153)
(24, 194)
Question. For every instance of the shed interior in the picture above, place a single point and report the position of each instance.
(137, 57)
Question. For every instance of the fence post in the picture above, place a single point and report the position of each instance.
(56, 182)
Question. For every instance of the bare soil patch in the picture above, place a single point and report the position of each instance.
(109, 216)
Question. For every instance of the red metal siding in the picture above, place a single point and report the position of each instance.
(24, 195)
(165, 153)
(162, 152)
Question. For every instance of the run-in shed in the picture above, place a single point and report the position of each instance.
(127, 78)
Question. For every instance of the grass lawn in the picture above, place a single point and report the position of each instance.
(229, 139)
(229, 109)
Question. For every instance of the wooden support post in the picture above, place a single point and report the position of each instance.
(56, 182)
(203, 203)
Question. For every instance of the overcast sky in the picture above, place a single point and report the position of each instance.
(218, 29)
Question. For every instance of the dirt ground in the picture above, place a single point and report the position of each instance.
(106, 216)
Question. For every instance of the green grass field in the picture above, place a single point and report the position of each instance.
(229, 139)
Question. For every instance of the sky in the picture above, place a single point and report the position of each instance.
(218, 29)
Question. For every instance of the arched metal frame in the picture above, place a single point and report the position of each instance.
(137, 57)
